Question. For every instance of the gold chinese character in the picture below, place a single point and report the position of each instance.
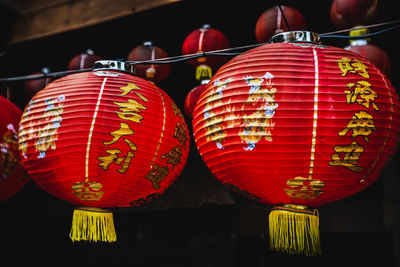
(129, 110)
(113, 157)
(180, 133)
(177, 112)
(362, 94)
(304, 188)
(8, 158)
(88, 191)
(144, 200)
(131, 86)
(174, 156)
(156, 175)
(351, 157)
(354, 66)
(362, 123)
(131, 145)
(123, 130)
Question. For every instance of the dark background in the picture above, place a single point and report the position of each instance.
(197, 222)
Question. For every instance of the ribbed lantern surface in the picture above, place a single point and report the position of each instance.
(12, 175)
(297, 123)
(103, 139)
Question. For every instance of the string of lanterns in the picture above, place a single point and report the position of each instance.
(293, 124)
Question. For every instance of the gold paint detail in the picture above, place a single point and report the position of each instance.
(92, 128)
(88, 191)
(351, 156)
(162, 131)
(304, 188)
(309, 188)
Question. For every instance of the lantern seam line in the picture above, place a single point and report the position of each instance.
(162, 130)
(201, 37)
(92, 128)
(278, 18)
(314, 131)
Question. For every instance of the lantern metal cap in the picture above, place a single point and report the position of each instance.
(295, 36)
(113, 65)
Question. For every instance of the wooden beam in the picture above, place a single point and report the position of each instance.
(39, 18)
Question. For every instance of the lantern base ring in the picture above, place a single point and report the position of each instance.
(294, 208)
(92, 224)
(294, 229)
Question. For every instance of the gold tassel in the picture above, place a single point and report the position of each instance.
(294, 229)
(203, 72)
(92, 224)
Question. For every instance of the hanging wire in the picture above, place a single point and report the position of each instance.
(220, 52)
(362, 36)
(284, 17)
(362, 27)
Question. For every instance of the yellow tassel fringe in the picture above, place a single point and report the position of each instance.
(92, 224)
(294, 229)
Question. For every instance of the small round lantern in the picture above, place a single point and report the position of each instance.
(373, 53)
(12, 175)
(349, 13)
(272, 22)
(83, 60)
(191, 99)
(103, 139)
(31, 87)
(153, 72)
(202, 40)
(296, 125)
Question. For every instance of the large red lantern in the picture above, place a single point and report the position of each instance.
(350, 13)
(191, 99)
(296, 125)
(12, 175)
(272, 22)
(103, 139)
(153, 72)
(373, 53)
(33, 86)
(83, 60)
(201, 40)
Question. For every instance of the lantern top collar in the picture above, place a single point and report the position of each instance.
(296, 36)
(114, 65)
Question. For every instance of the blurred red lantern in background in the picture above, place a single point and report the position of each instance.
(297, 125)
(31, 87)
(350, 13)
(103, 139)
(83, 60)
(191, 99)
(373, 53)
(272, 22)
(13, 177)
(201, 40)
(153, 72)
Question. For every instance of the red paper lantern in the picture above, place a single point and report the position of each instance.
(191, 99)
(153, 72)
(83, 60)
(297, 125)
(374, 54)
(31, 87)
(13, 177)
(350, 13)
(272, 22)
(103, 139)
(202, 40)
